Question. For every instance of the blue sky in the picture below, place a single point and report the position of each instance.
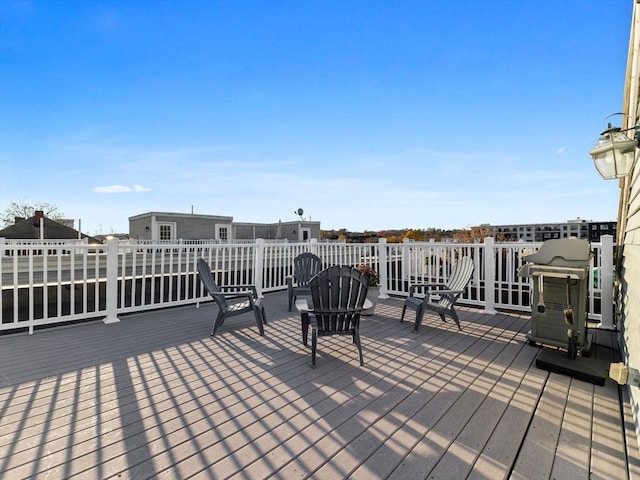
(367, 114)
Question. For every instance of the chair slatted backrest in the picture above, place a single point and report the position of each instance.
(206, 276)
(338, 295)
(460, 276)
(305, 267)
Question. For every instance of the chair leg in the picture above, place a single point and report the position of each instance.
(305, 327)
(356, 338)
(404, 309)
(419, 316)
(258, 314)
(216, 323)
(454, 315)
(314, 341)
(290, 298)
(263, 314)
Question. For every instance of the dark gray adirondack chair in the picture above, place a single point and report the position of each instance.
(232, 300)
(338, 294)
(305, 266)
(440, 297)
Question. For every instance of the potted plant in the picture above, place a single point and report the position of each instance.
(374, 286)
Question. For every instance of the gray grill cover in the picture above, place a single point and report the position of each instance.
(566, 253)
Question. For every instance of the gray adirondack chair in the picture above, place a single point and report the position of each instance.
(440, 297)
(231, 300)
(338, 294)
(305, 266)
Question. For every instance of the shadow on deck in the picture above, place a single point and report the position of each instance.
(155, 397)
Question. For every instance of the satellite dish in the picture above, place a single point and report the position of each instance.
(300, 212)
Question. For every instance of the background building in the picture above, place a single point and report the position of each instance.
(40, 227)
(539, 232)
(188, 226)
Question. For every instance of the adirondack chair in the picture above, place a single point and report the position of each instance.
(440, 297)
(232, 300)
(305, 266)
(338, 295)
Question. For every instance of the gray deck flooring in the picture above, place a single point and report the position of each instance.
(155, 397)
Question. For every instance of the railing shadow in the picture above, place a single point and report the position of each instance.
(154, 395)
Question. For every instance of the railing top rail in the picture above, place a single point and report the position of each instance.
(12, 241)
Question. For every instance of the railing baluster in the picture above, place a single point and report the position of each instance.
(112, 282)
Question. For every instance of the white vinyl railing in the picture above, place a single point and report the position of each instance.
(49, 283)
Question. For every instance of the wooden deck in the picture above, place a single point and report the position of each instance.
(155, 397)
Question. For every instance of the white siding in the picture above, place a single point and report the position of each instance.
(629, 225)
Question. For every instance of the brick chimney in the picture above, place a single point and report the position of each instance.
(38, 217)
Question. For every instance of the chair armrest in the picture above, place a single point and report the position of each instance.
(339, 311)
(240, 289)
(447, 292)
(425, 287)
(303, 306)
(232, 295)
(452, 294)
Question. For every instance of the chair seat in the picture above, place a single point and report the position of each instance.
(302, 290)
(242, 306)
(304, 308)
(415, 302)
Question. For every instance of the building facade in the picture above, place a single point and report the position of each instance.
(168, 226)
(540, 232)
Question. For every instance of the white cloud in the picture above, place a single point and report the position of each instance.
(560, 150)
(120, 189)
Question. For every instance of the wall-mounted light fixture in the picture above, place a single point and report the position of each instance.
(614, 155)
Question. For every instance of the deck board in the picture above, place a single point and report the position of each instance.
(155, 397)
(500, 451)
(574, 445)
(461, 457)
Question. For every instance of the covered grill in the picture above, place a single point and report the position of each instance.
(559, 302)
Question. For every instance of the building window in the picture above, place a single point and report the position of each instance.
(223, 233)
(165, 231)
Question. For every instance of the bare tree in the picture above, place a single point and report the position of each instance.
(477, 234)
(26, 210)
